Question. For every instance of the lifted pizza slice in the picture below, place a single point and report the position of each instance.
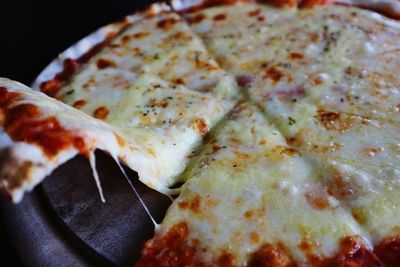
(40, 133)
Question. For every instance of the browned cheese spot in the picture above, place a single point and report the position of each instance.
(101, 112)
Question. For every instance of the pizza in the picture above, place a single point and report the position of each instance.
(281, 121)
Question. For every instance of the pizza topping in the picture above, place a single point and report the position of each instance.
(51, 87)
(171, 249)
(226, 260)
(196, 18)
(388, 251)
(340, 187)
(47, 133)
(353, 252)
(218, 17)
(296, 55)
(243, 80)
(200, 126)
(79, 103)
(309, 248)
(101, 112)
(254, 12)
(292, 94)
(271, 256)
(333, 121)
(139, 35)
(25, 122)
(318, 199)
(105, 63)
(311, 3)
(274, 74)
(261, 18)
(6, 97)
(166, 23)
(194, 204)
(283, 3)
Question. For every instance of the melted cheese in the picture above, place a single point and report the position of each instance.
(256, 189)
(161, 89)
(327, 164)
(309, 154)
(25, 164)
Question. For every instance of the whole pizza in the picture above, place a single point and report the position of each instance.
(274, 126)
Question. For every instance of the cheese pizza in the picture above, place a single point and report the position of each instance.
(281, 121)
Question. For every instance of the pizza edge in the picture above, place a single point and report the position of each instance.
(388, 8)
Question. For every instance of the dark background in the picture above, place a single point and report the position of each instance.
(33, 32)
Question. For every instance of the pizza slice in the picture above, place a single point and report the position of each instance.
(146, 150)
(158, 84)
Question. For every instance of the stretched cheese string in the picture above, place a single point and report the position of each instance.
(156, 225)
(92, 161)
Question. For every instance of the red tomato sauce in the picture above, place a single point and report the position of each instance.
(388, 251)
(25, 122)
(353, 253)
(171, 249)
(271, 256)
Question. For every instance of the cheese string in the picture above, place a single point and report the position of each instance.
(156, 225)
(92, 160)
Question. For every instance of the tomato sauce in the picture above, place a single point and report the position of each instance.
(25, 122)
(388, 251)
(271, 256)
(353, 253)
(171, 250)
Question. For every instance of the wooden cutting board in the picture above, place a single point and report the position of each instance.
(64, 222)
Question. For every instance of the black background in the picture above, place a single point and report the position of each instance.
(33, 32)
